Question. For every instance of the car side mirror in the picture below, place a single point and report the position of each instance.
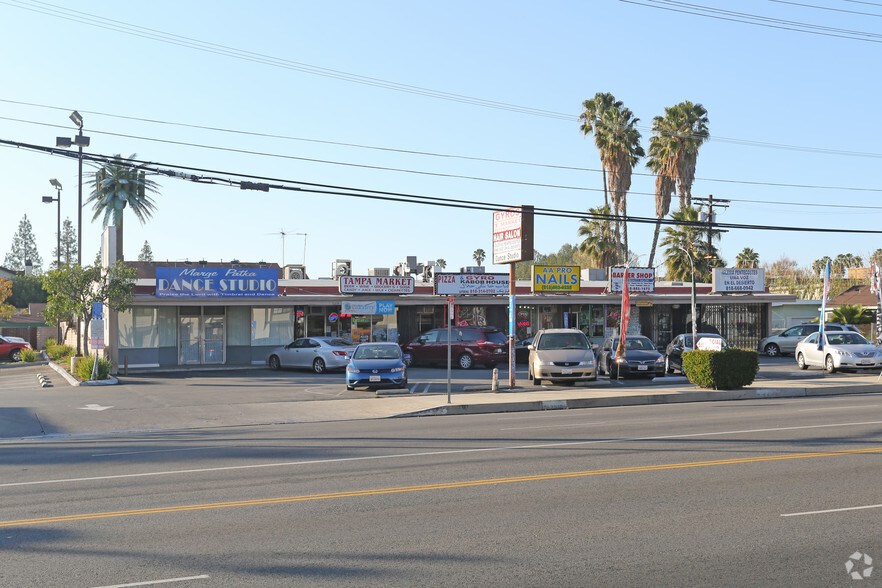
(530, 346)
(407, 358)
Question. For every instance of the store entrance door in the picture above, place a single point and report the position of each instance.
(201, 335)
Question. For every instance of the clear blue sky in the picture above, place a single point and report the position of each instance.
(786, 109)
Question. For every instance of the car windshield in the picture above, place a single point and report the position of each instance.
(635, 344)
(496, 337)
(377, 352)
(575, 340)
(846, 338)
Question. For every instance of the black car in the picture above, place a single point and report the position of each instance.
(683, 343)
(641, 358)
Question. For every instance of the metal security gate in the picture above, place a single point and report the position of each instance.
(741, 325)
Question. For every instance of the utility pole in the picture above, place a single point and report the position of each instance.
(711, 201)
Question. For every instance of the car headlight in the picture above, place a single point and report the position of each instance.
(546, 363)
(397, 370)
(352, 370)
(660, 359)
(589, 362)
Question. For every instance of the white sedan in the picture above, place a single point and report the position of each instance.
(841, 350)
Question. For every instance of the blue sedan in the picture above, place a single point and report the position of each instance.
(377, 365)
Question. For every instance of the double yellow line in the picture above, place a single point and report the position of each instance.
(426, 487)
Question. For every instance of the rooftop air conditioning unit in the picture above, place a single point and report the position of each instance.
(295, 272)
(341, 267)
(378, 271)
(472, 269)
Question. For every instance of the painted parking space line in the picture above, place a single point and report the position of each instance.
(155, 582)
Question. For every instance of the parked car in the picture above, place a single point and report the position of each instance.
(786, 340)
(841, 350)
(317, 353)
(468, 346)
(11, 347)
(683, 343)
(377, 365)
(522, 349)
(562, 356)
(641, 358)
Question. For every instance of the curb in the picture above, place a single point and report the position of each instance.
(74, 382)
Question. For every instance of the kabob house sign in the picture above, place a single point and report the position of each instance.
(224, 282)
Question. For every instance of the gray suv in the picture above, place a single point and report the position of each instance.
(786, 340)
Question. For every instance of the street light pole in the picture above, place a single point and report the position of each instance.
(49, 199)
(694, 315)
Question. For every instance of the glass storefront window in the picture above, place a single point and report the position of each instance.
(138, 328)
(238, 325)
(272, 326)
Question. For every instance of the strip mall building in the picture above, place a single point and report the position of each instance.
(187, 314)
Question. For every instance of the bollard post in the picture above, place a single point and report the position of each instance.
(494, 386)
(126, 372)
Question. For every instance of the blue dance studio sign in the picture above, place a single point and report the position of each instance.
(216, 282)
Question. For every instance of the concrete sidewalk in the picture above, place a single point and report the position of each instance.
(65, 411)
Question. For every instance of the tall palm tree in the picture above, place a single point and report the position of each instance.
(119, 184)
(748, 258)
(673, 154)
(618, 141)
(819, 266)
(688, 236)
(441, 263)
(479, 256)
(599, 243)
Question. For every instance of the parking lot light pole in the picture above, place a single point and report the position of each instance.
(49, 199)
(694, 315)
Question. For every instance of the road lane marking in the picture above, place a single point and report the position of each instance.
(157, 451)
(552, 426)
(155, 582)
(431, 454)
(427, 487)
(844, 509)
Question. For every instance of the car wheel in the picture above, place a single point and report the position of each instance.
(829, 367)
(613, 373)
(536, 381)
(274, 362)
(772, 350)
(348, 387)
(800, 361)
(668, 368)
(465, 361)
(318, 366)
(15, 355)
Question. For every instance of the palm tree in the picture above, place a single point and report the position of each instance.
(748, 258)
(688, 235)
(673, 153)
(819, 266)
(479, 256)
(852, 314)
(618, 141)
(442, 263)
(599, 243)
(117, 184)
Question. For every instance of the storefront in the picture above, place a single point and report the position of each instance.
(220, 314)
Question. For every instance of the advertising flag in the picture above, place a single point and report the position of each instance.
(824, 305)
(626, 315)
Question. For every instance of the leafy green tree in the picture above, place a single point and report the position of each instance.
(73, 289)
(617, 139)
(146, 253)
(599, 242)
(673, 154)
(119, 184)
(853, 314)
(68, 244)
(479, 256)
(27, 290)
(24, 247)
(6, 310)
(748, 258)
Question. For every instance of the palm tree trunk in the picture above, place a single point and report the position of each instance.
(654, 242)
(605, 195)
(625, 228)
(119, 240)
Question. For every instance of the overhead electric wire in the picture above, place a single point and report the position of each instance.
(326, 189)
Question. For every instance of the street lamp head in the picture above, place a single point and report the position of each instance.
(63, 142)
(77, 119)
(48, 199)
(55, 183)
(81, 141)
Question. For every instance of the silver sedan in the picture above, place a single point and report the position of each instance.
(317, 353)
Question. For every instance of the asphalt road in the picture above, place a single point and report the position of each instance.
(775, 492)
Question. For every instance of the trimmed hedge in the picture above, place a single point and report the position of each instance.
(729, 369)
(84, 366)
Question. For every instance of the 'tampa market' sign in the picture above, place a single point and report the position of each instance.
(513, 235)
(376, 284)
(471, 284)
(640, 279)
(732, 279)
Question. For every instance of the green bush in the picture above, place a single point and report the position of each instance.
(729, 369)
(28, 355)
(49, 343)
(84, 366)
(56, 352)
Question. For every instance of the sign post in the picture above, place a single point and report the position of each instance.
(512, 242)
(449, 323)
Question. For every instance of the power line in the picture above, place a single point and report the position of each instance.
(264, 184)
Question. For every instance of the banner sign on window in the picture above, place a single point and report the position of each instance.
(217, 282)
(471, 284)
(359, 307)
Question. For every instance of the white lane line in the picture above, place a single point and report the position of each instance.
(845, 509)
(552, 426)
(431, 454)
(154, 582)
(155, 451)
(839, 408)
